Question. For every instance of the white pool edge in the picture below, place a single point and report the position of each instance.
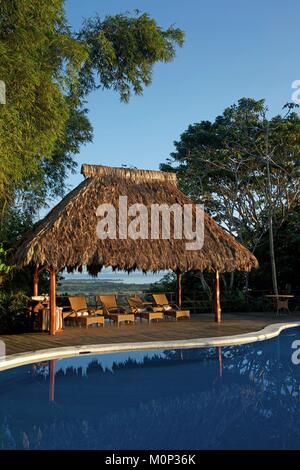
(268, 332)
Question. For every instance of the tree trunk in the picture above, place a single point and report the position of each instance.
(205, 286)
(246, 282)
(271, 234)
(231, 280)
(272, 256)
(223, 277)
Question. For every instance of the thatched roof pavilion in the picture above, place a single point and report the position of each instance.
(66, 238)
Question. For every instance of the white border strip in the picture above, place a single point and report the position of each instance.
(16, 360)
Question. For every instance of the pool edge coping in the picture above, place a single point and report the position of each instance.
(29, 357)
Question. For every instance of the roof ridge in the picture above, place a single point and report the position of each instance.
(133, 174)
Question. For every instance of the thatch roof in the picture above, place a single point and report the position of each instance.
(66, 237)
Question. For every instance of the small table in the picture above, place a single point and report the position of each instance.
(119, 317)
(150, 316)
(281, 301)
(173, 312)
(91, 320)
(177, 314)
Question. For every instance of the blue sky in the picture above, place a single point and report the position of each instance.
(233, 48)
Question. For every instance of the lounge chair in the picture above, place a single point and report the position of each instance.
(168, 309)
(82, 313)
(143, 310)
(145, 303)
(113, 311)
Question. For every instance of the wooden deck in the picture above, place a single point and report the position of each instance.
(200, 326)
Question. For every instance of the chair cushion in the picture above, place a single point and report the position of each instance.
(141, 310)
(167, 307)
(82, 314)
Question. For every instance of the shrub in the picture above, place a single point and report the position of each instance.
(13, 315)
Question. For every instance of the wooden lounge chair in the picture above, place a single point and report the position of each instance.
(82, 313)
(168, 309)
(145, 303)
(113, 311)
(143, 310)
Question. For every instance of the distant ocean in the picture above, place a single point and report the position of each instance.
(136, 277)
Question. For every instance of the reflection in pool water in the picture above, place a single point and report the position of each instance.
(237, 397)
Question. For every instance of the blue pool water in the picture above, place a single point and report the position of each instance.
(237, 397)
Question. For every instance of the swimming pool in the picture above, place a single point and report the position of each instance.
(234, 397)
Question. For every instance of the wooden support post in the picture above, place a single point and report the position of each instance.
(217, 304)
(52, 301)
(179, 290)
(35, 282)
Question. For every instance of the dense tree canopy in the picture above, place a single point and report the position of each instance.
(35, 47)
(48, 71)
(223, 165)
(287, 249)
(244, 167)
(122, 50)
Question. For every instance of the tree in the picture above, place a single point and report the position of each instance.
(5, 269)
(287, 243)
(36, 47)
(50, 181)
(122, 50)
(48, 71)
(244, 167)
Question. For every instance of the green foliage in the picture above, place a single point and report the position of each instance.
(287, 249)
(48, 71)
(12, 301)
(13, 223)
(50, 182)
(36, 48)
(13, 317)
(122, 51)
(233, 301)
(195, 294)
(166, 284)
(5, 269)
(223, 165)
(244, 167)
(93, 287)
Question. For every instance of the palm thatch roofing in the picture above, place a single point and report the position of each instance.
(66, 237)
